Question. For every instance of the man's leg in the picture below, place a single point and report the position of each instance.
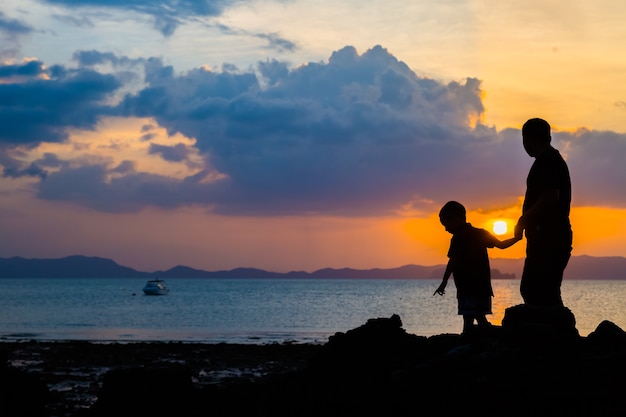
(530, 285)
(542, 277)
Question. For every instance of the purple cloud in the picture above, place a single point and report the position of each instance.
(360, 134)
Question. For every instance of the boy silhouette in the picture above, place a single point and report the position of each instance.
(469, 265)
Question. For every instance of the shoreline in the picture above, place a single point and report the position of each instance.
(375, 369)
(244, 338)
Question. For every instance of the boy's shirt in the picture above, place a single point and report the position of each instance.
(468, 250)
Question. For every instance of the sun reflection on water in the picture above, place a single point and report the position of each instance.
(506, 294)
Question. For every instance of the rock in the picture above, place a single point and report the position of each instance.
(21, 394)
(608, 336)
(379, 340)
(538, 326)
(158, 391)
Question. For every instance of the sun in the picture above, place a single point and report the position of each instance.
(500, 227)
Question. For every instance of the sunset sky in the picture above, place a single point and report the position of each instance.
(299, 134)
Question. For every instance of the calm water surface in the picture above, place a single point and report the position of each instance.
(259, 310)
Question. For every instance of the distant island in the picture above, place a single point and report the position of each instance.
(78, 266)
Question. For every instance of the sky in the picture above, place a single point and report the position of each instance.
(299, 134)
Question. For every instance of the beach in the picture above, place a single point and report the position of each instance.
(531, 365)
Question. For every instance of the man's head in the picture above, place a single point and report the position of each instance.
(535, 136)
(452, 215)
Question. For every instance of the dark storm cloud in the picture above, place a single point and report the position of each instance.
(30, 69)
(15, 168)
(17, 171)
(177, 153)
(360, 134)
(167, 14)
(40, 110)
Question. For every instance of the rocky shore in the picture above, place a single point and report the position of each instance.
(534, 364)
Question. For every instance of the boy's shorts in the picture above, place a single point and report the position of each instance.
(475, 305)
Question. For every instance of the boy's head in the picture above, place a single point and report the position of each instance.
(452, 215)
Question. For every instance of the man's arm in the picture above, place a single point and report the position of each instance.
(548, 199)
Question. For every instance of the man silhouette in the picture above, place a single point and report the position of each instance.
(545, 218)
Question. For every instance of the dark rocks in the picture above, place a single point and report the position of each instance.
(153, 391)
(21, 394)
(377, 338)
(535, 364)
(608, 336)
(540, 326)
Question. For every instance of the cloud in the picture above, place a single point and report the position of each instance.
(93, 58)
(361, 134)
(16, 168)
(10, 32)
(274, 40)
(277, 42)
(118, 189)
(41, 109)
(82, 21)
(167, 14)
(13, 27)
(31, 69)
(177, 153)
(596, 166)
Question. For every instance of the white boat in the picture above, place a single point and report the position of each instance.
(155, 287)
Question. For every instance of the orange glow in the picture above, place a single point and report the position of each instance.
(599, 231)
(195, 237)
(117, 139)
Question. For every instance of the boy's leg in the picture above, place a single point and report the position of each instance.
(468, 322)
(482, 321)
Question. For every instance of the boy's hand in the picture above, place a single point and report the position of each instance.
(441, 290)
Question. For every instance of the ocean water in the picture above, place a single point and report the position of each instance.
(260, 310)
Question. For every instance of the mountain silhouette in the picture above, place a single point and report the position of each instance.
(78, 266)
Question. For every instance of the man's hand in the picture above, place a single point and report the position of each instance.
(519, 229)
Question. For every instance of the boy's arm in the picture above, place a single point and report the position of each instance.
(503, 244)
(441, 290)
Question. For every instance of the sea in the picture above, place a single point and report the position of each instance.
(261, 311)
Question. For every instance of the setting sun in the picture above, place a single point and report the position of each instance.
(500, 227)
